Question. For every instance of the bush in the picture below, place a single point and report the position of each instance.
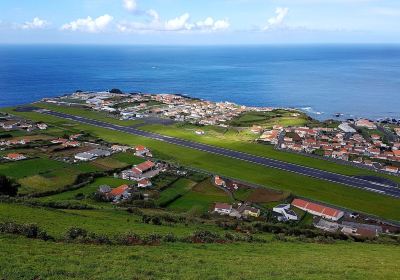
(129, 239)
(27, 230)
(144, 204)
(152, 239)
(75, 233)
(170, 237)
(205, 236)
(135, 211)
(7, 186)
(79, 196)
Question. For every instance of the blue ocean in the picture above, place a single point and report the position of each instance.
(356, 80)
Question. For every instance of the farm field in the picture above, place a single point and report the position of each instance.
(87, 192)
(335, 194)
(173, 192)
(43, 174)
(200, 198)
(24, 259)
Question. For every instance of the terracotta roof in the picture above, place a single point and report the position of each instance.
(140, 148)
(120, 190)
(143, 166)
(144, 181)
(396, 153)
(14, 156)
(323, 210)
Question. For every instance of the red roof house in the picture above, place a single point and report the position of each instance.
(143, 167)
(318, 209)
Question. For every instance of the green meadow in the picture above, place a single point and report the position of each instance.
(33, 259)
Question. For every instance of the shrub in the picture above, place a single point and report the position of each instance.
(170, 237)
(135, 210)
(75, 233)
(129, 239)
(205, 236)
(27, 230)
(152, 239)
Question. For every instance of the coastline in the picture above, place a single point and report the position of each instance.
(308, 110)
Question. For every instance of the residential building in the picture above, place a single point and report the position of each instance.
(365, 123)
(219, 182)
(142, 151)
(144, 183)
(15, 156)
(318, 209)
(249, 211)
(119, 193)
(286, 212)
(85, 156)
(143, 167)
(222, 208)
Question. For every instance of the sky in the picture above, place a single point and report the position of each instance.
(199, 22)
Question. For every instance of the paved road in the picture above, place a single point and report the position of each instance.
(307, 171)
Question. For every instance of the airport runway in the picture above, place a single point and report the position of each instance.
(289, 167)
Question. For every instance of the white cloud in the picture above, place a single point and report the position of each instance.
(178, 24)
(280, 14)
(36, 23)
(209, 24)
(89, 24)
(130, 5)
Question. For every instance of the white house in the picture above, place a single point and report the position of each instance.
(42, 126)
(84, 156)
(223, 208)
(284, 210)
(142, 151)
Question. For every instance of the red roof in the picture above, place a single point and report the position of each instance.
(143, 166)
(140, 148)
(15, 156)
(120, 190)
(323, 210)
(144, 181)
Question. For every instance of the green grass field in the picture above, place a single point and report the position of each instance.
(26, 259)
(87, 191)
(102, 221)
(269, 119)
(336, 194)
(200, 198)
(44, 174)
(29, 167)
(177, 189)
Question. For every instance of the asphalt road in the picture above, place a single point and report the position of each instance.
(306, 171)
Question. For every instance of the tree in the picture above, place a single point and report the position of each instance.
(7, 186)
(116, 90)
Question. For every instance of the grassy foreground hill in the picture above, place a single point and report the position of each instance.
(33, 259)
